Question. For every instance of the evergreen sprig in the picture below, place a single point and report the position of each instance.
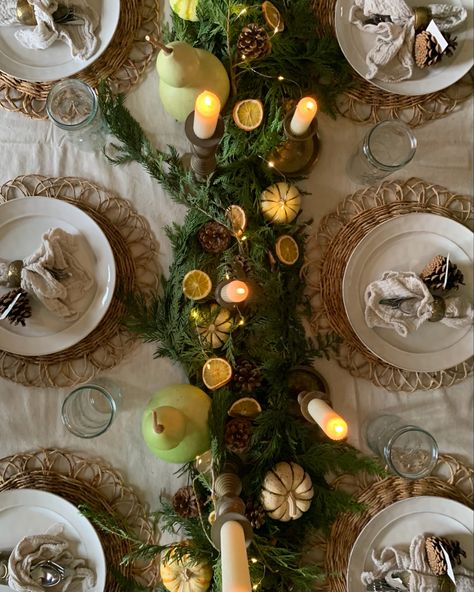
(270, 329)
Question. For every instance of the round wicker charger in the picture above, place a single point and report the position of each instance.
(96, 484)
(365, 103)
(135, 253)
(450, 479)
(328, 251)
(123, 62)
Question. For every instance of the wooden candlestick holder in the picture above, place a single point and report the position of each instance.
(203, 152)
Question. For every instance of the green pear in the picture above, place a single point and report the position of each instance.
(174, 423)
(184, 73)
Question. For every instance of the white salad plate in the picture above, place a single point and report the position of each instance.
(23, 221)
(27, 512)
(399, 523)
(407, 243)
(355, 44)
(56, 61)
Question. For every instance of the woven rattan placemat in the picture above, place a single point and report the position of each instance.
(136, 260)
(95, 483)
(328, 251)
(122, 63)
(366, 103)
(450, 479)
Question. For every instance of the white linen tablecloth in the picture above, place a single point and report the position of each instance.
(30, 417)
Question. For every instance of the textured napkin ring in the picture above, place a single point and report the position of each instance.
(14, 273)
(422, 17)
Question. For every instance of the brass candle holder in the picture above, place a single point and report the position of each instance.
(297, 154)
(202, 159)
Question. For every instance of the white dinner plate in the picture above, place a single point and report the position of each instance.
(23, 221)
(407, 243)
(56, 61)
(399, 523)
(26, 512)
(355, 45)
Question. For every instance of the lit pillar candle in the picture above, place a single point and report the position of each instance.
(304, 114)
(235, 567)
(328, 420)
(206, 114)
(234, 292)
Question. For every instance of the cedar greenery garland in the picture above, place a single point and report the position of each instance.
(271, 333)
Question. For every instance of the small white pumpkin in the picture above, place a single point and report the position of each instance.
(287, 491)
(280, 203)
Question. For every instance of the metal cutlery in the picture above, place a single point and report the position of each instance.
(25, 14)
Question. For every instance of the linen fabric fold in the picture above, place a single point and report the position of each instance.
(52, 546)
(391, 58)
(416, 304)
(408, 569)
(54, 274)
(80, 37)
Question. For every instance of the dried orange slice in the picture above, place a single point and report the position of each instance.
(196, 284)
(248, 114)
(216, 372)
(287, 250)
(273, 17)
(237, 218)
(245, 407)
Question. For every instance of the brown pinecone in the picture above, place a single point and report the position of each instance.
(238, 433)
(253, 42)
(214, 237)
(255, 513)
(434, 275)
(22, 309)
(435, 555)
(246, 376)
(185, 502)
(427, 50)
(241, 265)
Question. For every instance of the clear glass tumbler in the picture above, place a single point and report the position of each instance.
(89, 410)
(408, 450)
(388, 147)
(72, 106)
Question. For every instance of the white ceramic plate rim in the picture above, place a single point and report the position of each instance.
(424, 503)
(24, 67)
(450, 70)
(456, 353)
(18, 498)
(105, 281)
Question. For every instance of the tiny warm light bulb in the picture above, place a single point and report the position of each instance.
(304, 114)
(271, 164)
(280, 78)
(206, 114)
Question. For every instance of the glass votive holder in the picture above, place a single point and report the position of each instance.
(89, 410)
(408, 450)
(73, 107)
(388, 147)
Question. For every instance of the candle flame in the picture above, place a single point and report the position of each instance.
(310, 105)
(240, 290)
(336, 428)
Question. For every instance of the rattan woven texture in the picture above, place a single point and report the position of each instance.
(135, 252)
(328, 251)
(451, 479)
(365, 103)
(94, 483)
(122, 63)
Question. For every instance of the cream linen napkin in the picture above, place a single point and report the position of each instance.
(55, 276)
(81, 38)
(53, 546)
(416, 309)
(391, 58)
(419, 576)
